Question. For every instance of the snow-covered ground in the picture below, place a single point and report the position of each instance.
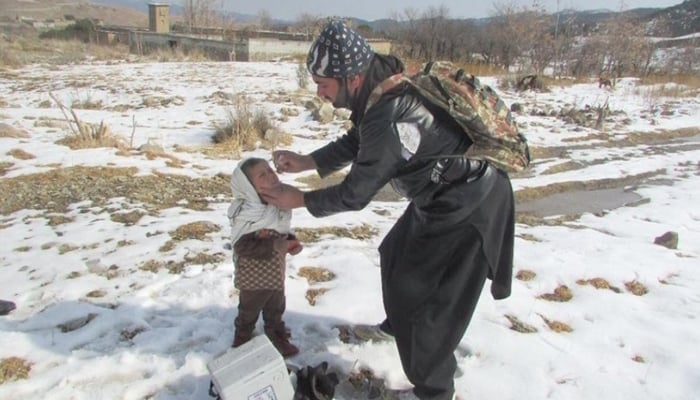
(93, 321)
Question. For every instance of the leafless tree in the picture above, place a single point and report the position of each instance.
(509, 33)
(626, 48)
(429, 35)
(308, 24)
(202, 14)
(264, 20)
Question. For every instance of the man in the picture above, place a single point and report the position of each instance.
(456, 231)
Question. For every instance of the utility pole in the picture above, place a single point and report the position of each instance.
(557, 66)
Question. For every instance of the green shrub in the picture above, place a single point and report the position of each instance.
(82, 30)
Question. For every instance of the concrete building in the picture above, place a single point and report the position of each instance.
(159, 17)
(216, 43)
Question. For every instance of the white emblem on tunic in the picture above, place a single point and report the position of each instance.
(409, 135)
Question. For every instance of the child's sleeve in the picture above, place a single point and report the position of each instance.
(293, 244)
(252, 246)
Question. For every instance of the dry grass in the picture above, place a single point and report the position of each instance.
(302, 75)
(87, 103)
(20, 50)
(556, 326)
(20, 154)
(671, 90)
(177, 267)
(58, 219)
(520, 326)
(316, 274)
(127, 218)
(4, 167)
(598, 283)
(314, 181)
(57, 189)
(195, 230)
(528, 236)
(639, 359)
(177, 55)
(14, 368)
(9, 131)
(534, 193)
(246, 128)
(525, 275)
(636, 288)
(313, 294)
(691, 81)
(549, 81)
(90, 136)
(96, 293)
(561, 294)
(169, 245)
(563, 167)
(154, 154)
(310, 235)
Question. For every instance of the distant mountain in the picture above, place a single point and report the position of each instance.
(679, 20)
(684, 18)
(138, 5)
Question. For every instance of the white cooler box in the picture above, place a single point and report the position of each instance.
(252, 371)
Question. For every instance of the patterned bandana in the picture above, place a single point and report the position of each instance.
(339, 52)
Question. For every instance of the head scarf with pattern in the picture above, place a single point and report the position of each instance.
(339, 52)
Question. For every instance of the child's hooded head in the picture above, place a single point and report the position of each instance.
(252, 176)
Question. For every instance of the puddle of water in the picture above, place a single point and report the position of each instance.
(579, 201)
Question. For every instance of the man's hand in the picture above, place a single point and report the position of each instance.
(285, 196)
(289, 161)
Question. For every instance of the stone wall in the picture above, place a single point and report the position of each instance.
(237, 49)
(146, 42)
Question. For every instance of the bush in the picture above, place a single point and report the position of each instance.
(90, 135)
(83, 30)
(302, 75)
(245, 129)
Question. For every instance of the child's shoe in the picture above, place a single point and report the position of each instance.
(241, 338)
(280, 339)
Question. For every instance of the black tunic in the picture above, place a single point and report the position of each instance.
(448, 241)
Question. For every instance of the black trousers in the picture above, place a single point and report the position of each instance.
(432, 279)
(251, 303)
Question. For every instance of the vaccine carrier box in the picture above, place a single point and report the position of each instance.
(251, 371)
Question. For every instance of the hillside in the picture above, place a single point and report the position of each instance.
(42, 10)
(684, 18)
(679, 20)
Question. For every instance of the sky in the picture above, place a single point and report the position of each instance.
(135, 334)
(373, 10)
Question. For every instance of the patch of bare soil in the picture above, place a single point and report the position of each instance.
(529, 194)
(630, 139)
(56, 190)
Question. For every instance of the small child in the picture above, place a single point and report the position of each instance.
(261, 238)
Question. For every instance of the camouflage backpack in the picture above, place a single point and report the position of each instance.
(477, 108)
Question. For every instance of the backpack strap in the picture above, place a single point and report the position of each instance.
(383, 87)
